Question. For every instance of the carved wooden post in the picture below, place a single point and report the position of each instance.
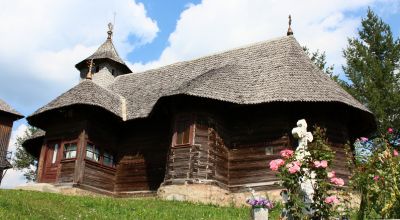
(41, 162)
(80, 158)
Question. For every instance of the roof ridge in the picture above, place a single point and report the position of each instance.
(209, 55)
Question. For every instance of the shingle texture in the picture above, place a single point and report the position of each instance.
(273, 71)
(37, 134)
(6, 108)
(106, 51)
(87, 93)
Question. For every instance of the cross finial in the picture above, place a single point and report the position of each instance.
(289, 31)
(90, 66)
(110, 30)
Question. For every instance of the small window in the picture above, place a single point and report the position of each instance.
(70, 150)
(55, 151)
(182, 132)
(97, 69)
(113, 72)
(92, 152)
(108, 159)
(269, 151)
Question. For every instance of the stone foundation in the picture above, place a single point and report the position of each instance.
(210, 194)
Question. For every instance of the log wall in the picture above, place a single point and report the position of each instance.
(142, 154)
(5, 133)
(234, 151)
(67, 170)
(231, 148)
(98, 176)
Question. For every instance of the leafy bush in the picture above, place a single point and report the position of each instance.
(377, 175)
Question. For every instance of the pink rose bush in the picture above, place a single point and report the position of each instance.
(293, 167)
(275, 164)
(331, 174)
(337, 181)
(286, 153)
(322, 164)
(395, 153)
(331, 200)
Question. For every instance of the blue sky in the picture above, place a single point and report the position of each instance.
(43, 40)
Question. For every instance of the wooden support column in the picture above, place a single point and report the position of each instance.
(80, 158)
(41, 162)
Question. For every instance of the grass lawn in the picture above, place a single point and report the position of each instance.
(17, 204)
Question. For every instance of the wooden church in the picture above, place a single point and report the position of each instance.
(213, 121)
(7, 117)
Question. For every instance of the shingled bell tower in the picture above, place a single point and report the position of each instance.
(105, 64)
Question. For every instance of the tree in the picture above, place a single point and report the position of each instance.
(372, 65)
(319, 60)
(23, 160)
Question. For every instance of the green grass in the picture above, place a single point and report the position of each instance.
(17, 204)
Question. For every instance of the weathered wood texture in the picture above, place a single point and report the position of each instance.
(234, 149)
(5, 133)
(98, 176)
(231, 145)
(142, 153)
(67, 170)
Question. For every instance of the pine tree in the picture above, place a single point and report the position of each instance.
(319, 60)
(372, 66)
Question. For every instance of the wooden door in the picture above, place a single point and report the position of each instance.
(52, 161)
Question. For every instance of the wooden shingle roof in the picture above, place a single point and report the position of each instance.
(105, 51)
(87, 93)
(277, 70)
(4, 107)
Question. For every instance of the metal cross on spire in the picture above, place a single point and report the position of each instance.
(289, 31)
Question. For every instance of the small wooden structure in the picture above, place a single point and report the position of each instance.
(7, 117)
(215, 120)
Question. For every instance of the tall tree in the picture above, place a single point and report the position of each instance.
(23, 160)
(372, 67)
(319, 60)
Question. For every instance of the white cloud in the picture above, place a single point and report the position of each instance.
(41, 41)
(213, 26)
(13, 177)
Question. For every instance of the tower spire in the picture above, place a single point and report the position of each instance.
(289, 31)
(110, 30)
(90, 66)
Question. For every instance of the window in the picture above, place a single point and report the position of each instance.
(269, 151)
(69, 150)
(113, 72)
(108, 159)
(182, 132)
(97, 69)
(92, 152)
(55, 151)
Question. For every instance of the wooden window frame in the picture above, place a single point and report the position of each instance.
(113, 159)
(63, 143)
(101, 150)
(183, 117)
(93, 152)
